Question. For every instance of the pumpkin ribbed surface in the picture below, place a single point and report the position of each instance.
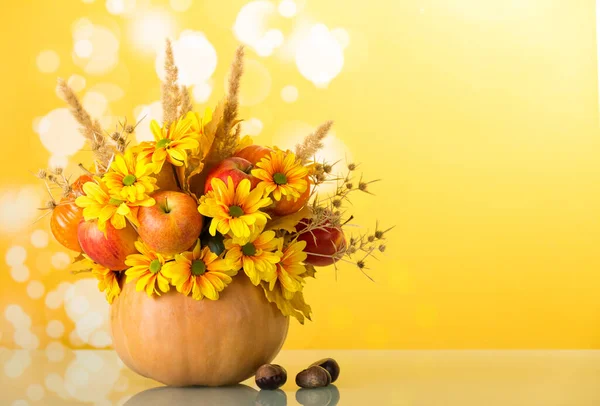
(179, 341)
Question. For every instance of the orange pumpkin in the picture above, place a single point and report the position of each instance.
(179, 341)
(254, 153)
(66, 216)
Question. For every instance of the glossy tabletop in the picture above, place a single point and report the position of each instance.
(64, 377)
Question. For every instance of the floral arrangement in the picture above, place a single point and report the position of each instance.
(201, 205)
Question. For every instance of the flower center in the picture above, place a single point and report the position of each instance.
(163, 143)
(129, 180)
(280, 178)
(155, 266)
(198, 267)
(235, 211)
(115, 202)
(249, 249)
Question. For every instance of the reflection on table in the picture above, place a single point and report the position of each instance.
(238, 395)
(406, 378)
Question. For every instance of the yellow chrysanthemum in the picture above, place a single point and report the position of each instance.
(234, 209)
(282, 174)
(290, 269)
(98, 204)
(108, 281)
(147, 268)
(129, 178)
(257, 255)
(171, 143)
(200, 272)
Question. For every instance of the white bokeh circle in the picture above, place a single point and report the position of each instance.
(48, 61)
(319, 56)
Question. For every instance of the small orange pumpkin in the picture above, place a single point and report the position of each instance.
(179, 341)
(66, 216)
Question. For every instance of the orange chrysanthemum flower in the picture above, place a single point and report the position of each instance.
(282, 174)
(200, 272)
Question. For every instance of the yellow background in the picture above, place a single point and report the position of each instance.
(481, 117)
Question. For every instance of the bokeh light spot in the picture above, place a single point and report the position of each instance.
(341, 36)
(17, 364)
(289, 94)
(39, 239)
(26, 339)
(19, 273)
(253, 126)
(19, 208)
(60, 260)
(59, 133)
(319, 56)
(180, 5)
(48, 61)
(16, 255)
(35, 289)
(149, 29)
(55, 351)
(55, 329)
(83, 48)
(251, 27)
(76, 82)
(120, 7)
(201, 92)
(35, 392)
(287, 8)
(95, 49)
(95, 103)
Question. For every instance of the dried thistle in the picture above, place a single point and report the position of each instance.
(313, 142)
(171, 98)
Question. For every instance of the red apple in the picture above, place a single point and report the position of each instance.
(325, 242)
(172, 225)
(254, 153)
(284, 207)
(110, 250)
(234, 167)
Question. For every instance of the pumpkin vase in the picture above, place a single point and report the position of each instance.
(179, 341)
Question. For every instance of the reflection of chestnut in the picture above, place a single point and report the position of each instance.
(271, 398)
(331, 366)
(313, 377)
(328, 396)
(270, 376)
